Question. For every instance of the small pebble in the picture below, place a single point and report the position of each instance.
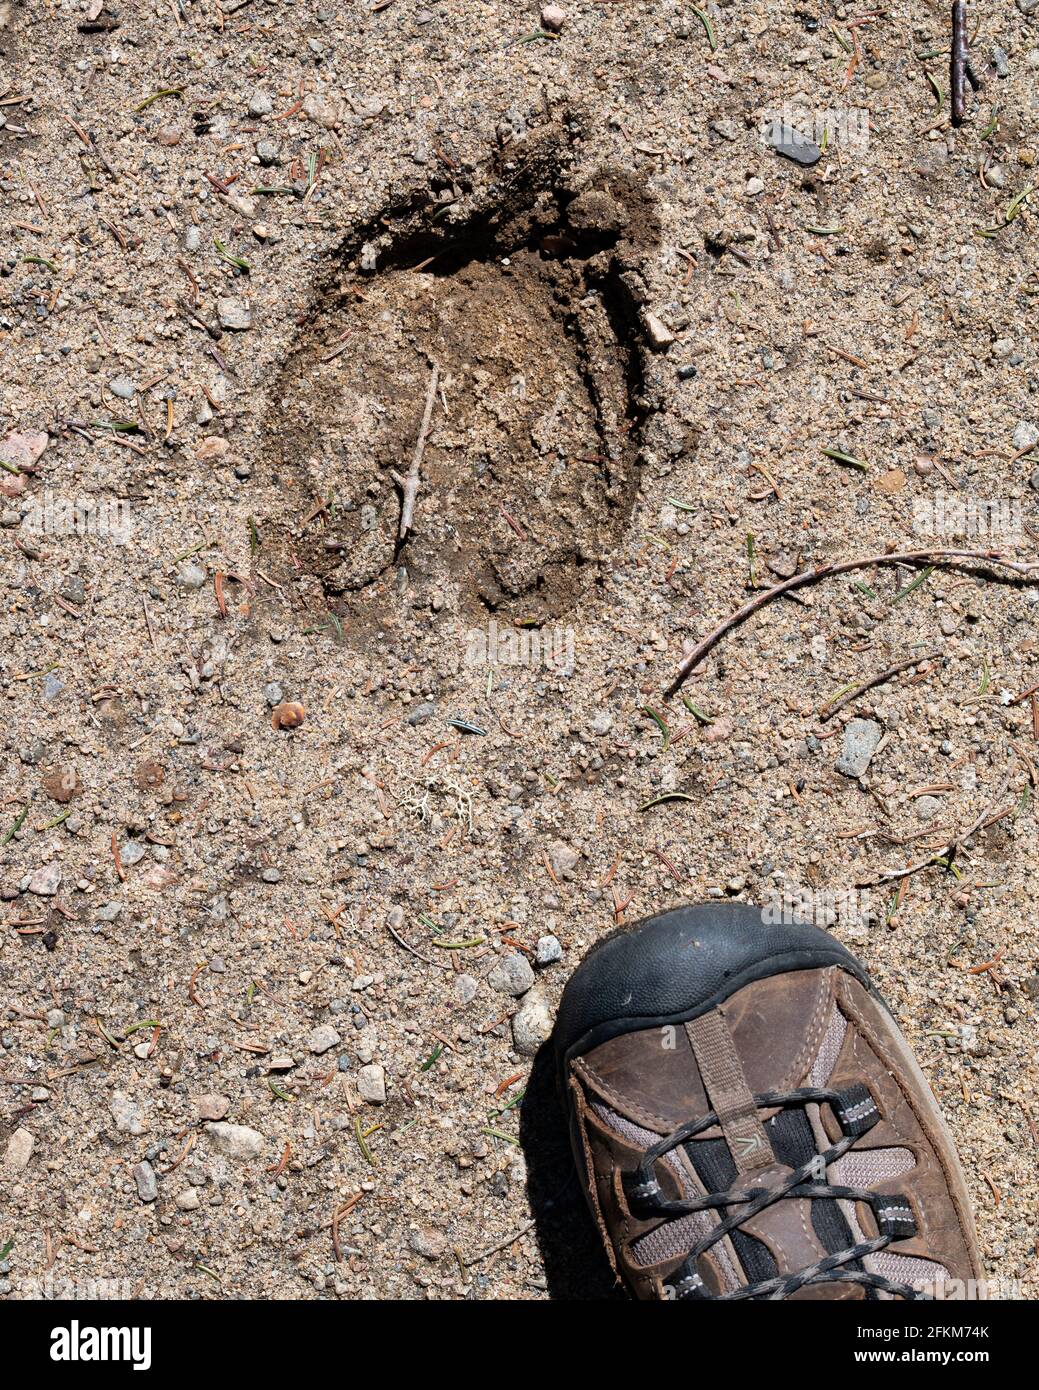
(234, 314)
(512, 975)
(236, 1141)
(371, 1084)
(531, 1023)
(861, 740)
(548, 950)
(322, 1038)
(19, 1151)
(147, 1182)
(790, 143)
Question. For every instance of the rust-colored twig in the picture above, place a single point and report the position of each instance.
(118, 860)
(337, 1216)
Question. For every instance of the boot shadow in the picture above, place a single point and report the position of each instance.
(575, 1263)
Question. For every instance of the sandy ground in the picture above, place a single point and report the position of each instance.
(236, 245)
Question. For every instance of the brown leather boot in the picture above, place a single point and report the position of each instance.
(748, 1121)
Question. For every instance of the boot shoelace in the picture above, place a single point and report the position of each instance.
(856, 1112)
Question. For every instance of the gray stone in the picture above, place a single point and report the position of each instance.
(532, 1023)
(322, 1038)
(371, 1084)
(728, 130)
(927, 807)
(236, 1141)
(268, 152)
(861, 740)
(512, 975)
(234, 314)
(321, 108)
(790, 143)
(260, 105)
(783, 563)
(421, 713)
(147, 1182)
(132, 852)
(46, 881)
(127, 1115)
(548, 950)
(189, 1200)
(74, 590)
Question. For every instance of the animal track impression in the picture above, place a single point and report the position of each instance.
(520, 296)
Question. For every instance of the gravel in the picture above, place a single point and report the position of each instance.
(126, 1114)
(322, 1038)
(790, 143)
(46, 880)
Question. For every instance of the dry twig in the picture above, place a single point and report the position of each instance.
(410, 484)
(1027, 569)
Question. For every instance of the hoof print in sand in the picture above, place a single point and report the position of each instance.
(519, 293)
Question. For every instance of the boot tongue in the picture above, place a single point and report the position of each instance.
(777, 1025)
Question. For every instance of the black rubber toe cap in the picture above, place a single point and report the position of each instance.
(669, 968)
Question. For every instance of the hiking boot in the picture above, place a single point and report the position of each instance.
(748, 1121)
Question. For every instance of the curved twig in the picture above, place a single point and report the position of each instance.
(1027, 569)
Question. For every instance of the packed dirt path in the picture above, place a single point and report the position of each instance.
(304, 822)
